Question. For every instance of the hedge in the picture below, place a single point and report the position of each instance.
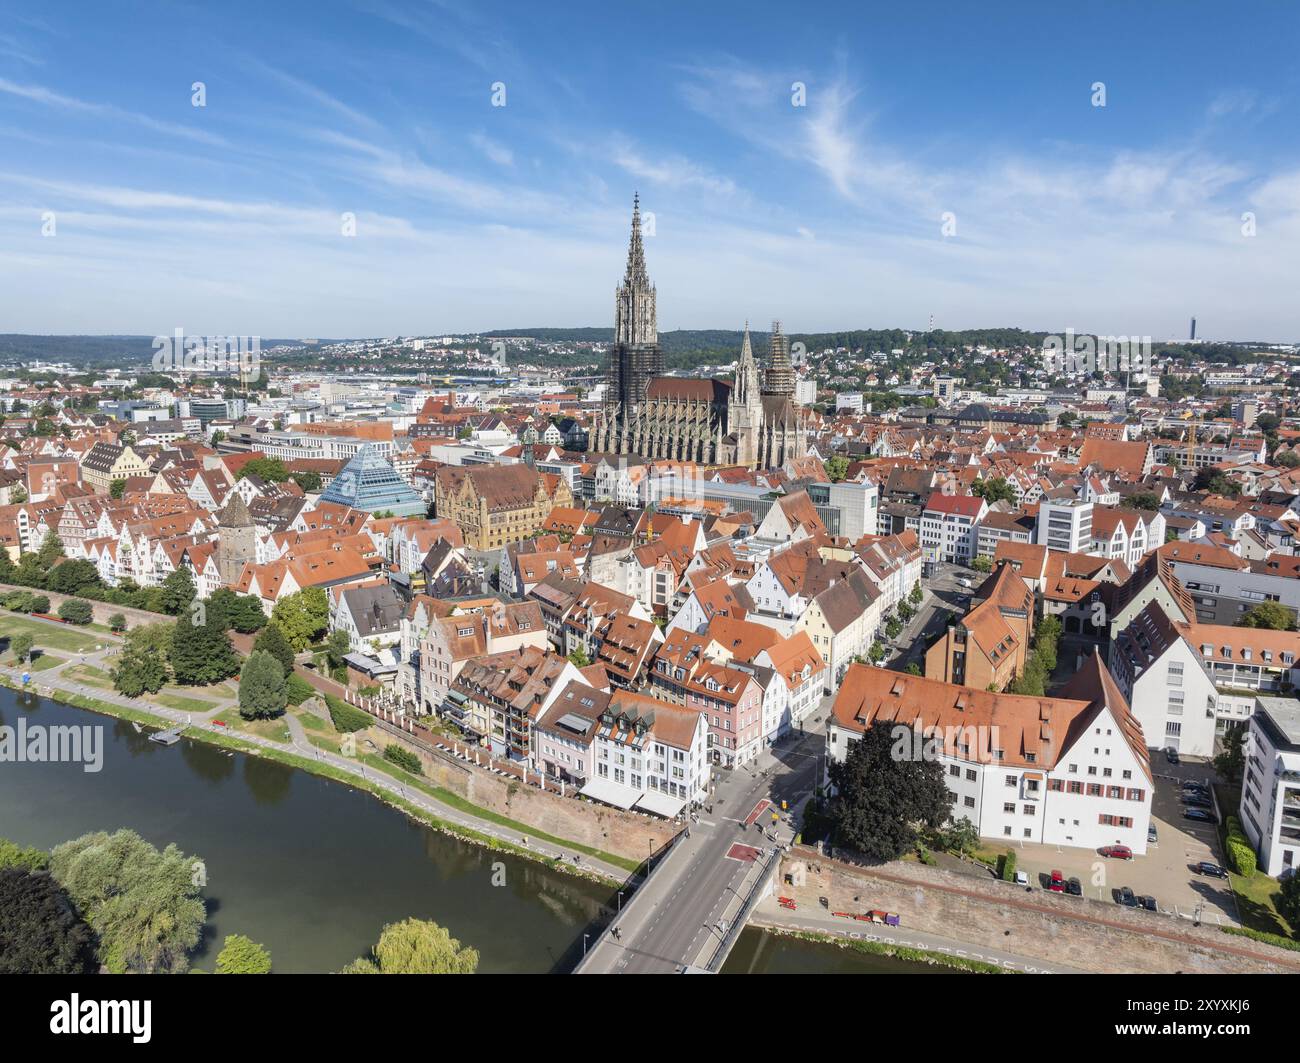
(1007, 866)
(403, 758)
(1264, 936)
(347, 718)
(1240, 853)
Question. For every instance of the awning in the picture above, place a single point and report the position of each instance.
(661, 804)
(611, 793)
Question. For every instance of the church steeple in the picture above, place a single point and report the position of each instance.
(779, 379)
(636, 272)
(747, 385)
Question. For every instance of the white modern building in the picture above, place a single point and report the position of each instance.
(1064, 524)
(1270, 791)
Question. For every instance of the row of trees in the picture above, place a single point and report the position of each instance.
(1041, 662)
(188, 652)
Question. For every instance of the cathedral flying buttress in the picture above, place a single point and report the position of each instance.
(753, 421)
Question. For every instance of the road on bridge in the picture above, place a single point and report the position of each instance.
(681, 915)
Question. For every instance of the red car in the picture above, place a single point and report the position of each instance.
(1119, 852)
(1057, 885)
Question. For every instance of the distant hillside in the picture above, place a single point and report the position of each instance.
(86, 350)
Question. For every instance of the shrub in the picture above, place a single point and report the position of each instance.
(40, 604)
(19, 601)
(1240, 854)
(403, 758)
(347, 718)
(76, 611)
(1007, 866)
(117, 622)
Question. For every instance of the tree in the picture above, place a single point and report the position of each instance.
(303, 616)
(877, 652)
(837, 468)
(40, 931)
(178, 591)
(1230, 761)
(916, 595)
(142, 665)
(241, 955)
(262, 691)
(272, 641)
(117, 488)
(73, 576)
(337, 647)
(995, 490)
(144, 903)
(201, 653)
(1288, 901)
(1141, 500)
(270, 469)
(887, 789)
(117, 622)
(28, 858)
(50, 552)
(1271, 615)
(309, 481)
(20, 646)
(240, 612)
(40, 603)
(580, 658)
(982, 564)
(76, 611)
(416, 946)
(1288, 459)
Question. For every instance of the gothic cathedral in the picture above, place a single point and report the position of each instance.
(753, 421)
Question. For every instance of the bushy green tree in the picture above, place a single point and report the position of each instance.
(178, 591)
(73, 576)
(271, 640)
(262, 692)
(416, 946)
(40, 930)
(303, 616)
(76, 611)
(1271, 615)
(142, 666)
(145, 905)
(29, 858)
(201, 653)
(20, 646)
(239, 612)
(886, 791)
(242, 955)
(271, 469)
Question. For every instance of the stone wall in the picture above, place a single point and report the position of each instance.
(1072, 931)
(627, 834)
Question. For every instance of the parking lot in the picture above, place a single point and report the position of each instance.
(1165, 872)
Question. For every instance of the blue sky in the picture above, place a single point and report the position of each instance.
(227, 219)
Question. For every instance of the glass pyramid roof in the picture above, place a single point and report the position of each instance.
(368, 482)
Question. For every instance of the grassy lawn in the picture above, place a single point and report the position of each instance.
(90, 675)
(47, 636)
(181, 702)
(45, 661)
(311, 722)
(275, 730)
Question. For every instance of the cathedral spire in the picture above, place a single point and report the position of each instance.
(779, 379)
(636, 271)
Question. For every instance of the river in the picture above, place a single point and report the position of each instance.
(308, 867)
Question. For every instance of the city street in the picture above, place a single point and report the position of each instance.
(682, 913)
(943, 595)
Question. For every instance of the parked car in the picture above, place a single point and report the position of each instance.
(1022, 879)
(1207, 868)
(1200, 815)
(1152, 837)
(1171, 755)
(1057, 882)
(1074, 888)
(1195, 800)
(1195, 784)
(1127, 898)
(1116, 852)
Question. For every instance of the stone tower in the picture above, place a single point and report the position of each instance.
(636, 356)
(745, 406)
(779, 379)
(236, 540)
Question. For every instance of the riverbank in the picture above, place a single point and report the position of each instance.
(383, 785)
(887, 949)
